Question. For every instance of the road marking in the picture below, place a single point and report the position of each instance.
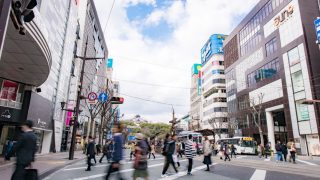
(268, 159)
(104, 165)
(184, 173)
(258, 175)
(239, 157)
(125, 170)
(306, 162)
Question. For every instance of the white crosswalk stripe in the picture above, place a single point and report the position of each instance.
(259, 175)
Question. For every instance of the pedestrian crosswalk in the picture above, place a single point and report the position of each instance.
(219, 170)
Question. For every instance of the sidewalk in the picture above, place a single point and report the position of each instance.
(46, 164)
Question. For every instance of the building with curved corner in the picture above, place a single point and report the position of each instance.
(35, 71)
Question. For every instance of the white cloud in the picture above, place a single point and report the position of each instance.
(135, 2)
(154, 18)
(192, 22)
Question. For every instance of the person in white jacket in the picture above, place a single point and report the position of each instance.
(207, 153)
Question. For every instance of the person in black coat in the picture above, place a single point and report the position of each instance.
(169, 151)
(90, 152)
(284, 150)
(25, 150)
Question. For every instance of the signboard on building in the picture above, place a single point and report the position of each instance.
(196, 68)
(213, 46)
(317, 26)
(110, 63)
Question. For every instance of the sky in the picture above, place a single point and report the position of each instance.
(154, 44)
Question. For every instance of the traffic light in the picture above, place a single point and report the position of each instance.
(117, 100)
(23, 13)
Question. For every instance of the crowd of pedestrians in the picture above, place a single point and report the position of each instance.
(142, 150)
(283, 151)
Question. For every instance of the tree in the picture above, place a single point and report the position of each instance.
(218, 125)
(256, 110)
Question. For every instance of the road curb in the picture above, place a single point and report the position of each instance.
(51, 171)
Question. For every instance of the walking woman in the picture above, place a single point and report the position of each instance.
(153, 151)
(207, 153)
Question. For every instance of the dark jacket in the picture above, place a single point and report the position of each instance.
(25, 148)
(91, 149)
(172, 146)
(284, 149)
(117, 153)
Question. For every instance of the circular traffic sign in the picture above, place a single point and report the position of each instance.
(92, 96)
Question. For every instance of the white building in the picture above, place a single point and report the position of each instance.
(213, 99)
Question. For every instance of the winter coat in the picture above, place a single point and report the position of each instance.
(206, 148)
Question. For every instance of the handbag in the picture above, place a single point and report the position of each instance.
(31, 174)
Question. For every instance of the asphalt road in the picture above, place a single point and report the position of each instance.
(241, 168)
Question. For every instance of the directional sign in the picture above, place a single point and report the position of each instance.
(317, 26)
(103, 97)
(92, 97)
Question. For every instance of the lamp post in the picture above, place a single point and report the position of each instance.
(77, 111)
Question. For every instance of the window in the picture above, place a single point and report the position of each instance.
(271, 47)
(218, 71)
(220, 109)
(222, 81)
(293, 56)
(297, 81)
(250, 34)
(267, 71)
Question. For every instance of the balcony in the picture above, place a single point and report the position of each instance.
(26, 58)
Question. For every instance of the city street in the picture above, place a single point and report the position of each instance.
(243, 168)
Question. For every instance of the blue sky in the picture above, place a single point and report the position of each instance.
(139, 12)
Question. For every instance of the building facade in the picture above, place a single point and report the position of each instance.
(195, 98)
(213, 99)
(41, 63)
(271, 59)
(92, 41)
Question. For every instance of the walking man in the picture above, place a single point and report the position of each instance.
(190, 152)
(168, 152)
(226, 152)
(284, 150)
(267, 150)
(279, 152)
(104, 152)
(25, 149)
(90, 153)
(233, 151)
(117, 153)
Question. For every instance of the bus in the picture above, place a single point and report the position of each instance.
(196, 138)
(243, 145)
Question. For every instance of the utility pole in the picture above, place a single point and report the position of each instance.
(79, 97)
(173, 123)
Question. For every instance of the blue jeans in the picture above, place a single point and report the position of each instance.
(279, 155)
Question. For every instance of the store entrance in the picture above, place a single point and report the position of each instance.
(8, 133)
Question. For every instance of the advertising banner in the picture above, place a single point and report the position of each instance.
(317, 26)
(213, 46)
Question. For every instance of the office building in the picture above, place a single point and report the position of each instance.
(271, 59)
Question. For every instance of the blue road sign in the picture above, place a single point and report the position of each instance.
(103, 97)
(317, 26)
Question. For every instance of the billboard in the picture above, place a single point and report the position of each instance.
(196, 68)
(317, 27)
(109, 63)
(213, 46)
